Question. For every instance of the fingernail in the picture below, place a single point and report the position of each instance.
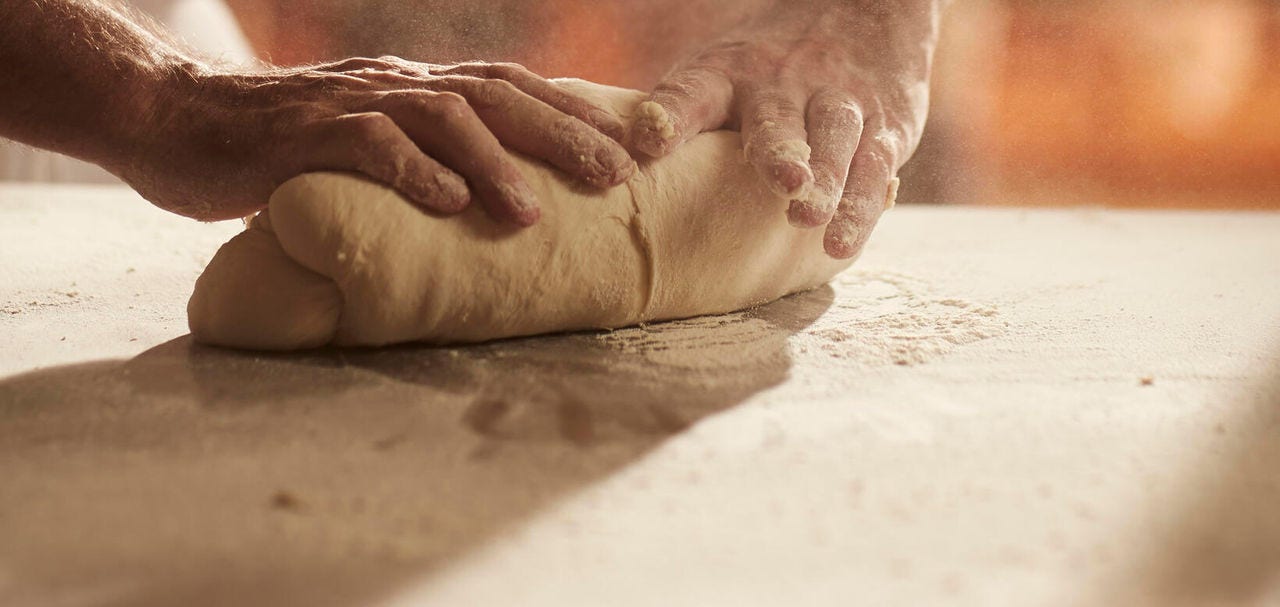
(529, 216)
(521, 202)
(450, 193)
(610, 167)
(841, 241)
(607, 123)
(790, 178)
(787, 165)
(811, 212)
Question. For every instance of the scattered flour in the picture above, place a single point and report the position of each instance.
(875, 318)
(707, 342)
(884, 317)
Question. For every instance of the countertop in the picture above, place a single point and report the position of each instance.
(993, 407)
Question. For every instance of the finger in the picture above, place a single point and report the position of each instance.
(326, 81)
(870, 190)
(774, 141)
(531, 84)
(352, 64)
(547, 92)
(389, 72)
(445, 127)
(684, 104)
(834, 124)
(532, 127)
(370, 143)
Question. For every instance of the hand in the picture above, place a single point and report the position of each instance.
(830, 97)
(220, 143)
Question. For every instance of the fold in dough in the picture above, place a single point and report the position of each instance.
(336, 259)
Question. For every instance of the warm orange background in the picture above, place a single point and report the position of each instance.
(1172, 103)
(1125, 103)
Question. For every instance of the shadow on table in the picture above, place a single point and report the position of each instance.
(1220, 544)
(199, 476)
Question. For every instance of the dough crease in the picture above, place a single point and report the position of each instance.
(643, 244)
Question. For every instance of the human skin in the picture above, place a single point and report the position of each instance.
(86, 78)
(830, 96)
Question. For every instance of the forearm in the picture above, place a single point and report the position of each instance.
(905, 29)
(920, 13)
(81, 77)
(909, 21)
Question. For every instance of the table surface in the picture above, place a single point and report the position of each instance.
(994, 407)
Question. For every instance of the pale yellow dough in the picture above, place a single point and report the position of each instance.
(336, 259)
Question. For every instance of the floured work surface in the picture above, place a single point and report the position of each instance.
(993, 407)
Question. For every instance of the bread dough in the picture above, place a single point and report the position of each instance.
(336, 259)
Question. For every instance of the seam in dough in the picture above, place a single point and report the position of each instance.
(643, 242)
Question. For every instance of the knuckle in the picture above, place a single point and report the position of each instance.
(757, 55)
(726, 52)
(298, 115)
(434, 104)
(572, 134)
(305, 112)
(888, 145)
(507, 70)
(575, 106)
(447, 98)
(837, 112)
(341, 65)
(869, 169)
(846, 217)
(468, 68)
(394, 100)
(774, 111)
(335, 84)
(447, 106)
(764, 96)
(393, 97)
(490, 93)
(870, 203)
(356, 65)
(367, 139)
(309, 79)
(858, 205)
(684, 86)
(827, 171)
(369, 72)
(370, 125)
(502, 88)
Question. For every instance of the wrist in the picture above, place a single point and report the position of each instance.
(143, 120)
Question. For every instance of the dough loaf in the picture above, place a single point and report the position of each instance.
(336, 259)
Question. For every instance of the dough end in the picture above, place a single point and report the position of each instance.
(254, 296)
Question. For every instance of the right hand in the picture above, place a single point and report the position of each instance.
(220, 143)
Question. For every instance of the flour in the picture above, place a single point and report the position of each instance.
(876, 318)
(883, 317)
(709, 342)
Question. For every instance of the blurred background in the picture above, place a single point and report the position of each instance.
(1154, 103)
(1169, 103)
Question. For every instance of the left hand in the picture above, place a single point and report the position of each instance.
(830, 97)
